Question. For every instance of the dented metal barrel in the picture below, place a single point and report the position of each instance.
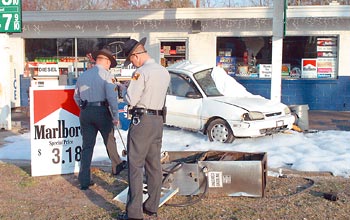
(215, 173)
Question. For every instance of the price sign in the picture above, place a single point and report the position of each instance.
(55, 131)
(10, 16)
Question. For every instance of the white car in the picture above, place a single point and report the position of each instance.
(197, 102)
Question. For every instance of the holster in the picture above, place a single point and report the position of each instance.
(164, 109)
(83, 104)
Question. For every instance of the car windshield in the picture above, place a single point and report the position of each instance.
(207, 83)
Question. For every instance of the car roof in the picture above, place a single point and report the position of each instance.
(188, 66)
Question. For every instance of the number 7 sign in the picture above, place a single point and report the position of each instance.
(10, 16)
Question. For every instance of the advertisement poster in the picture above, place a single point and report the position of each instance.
(265, 70)
(326, 67)
(326, 41)
(285, 69)
(309, 68)
(55, 131)
(227, 63)
(327, 47)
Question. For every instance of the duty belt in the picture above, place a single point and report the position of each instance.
(104, 103)
(140, 111)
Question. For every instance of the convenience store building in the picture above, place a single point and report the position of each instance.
(316, 54)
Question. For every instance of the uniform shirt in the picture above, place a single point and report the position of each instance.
(148, 86)
(96, 85)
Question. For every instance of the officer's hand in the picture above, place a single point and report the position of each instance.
(121, 86)
(116, 123)
(126, 83)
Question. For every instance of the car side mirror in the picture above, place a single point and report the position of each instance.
(193, 95)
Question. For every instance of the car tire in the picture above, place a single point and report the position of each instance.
(218, 130)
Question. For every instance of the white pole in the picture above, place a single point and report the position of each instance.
(76, 56)
(277, 49)
(5, 84)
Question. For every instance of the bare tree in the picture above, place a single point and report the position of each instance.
(208, 4)
(317, 2)
(37, 5)
(257, 3)
(157, 4)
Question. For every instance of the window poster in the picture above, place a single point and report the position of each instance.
(227, 63)
(326, 41)
(326, 67)
(327, 47)
(265, 70)
(285, 69)
(309, 68)
(326, 57)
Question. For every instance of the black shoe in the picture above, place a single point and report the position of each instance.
(124, 216)
(120, 167)
(149, 213)
(87, 187)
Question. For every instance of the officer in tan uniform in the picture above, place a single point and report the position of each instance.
(96, 95)
(146, 97)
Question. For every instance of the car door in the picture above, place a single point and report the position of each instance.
(184, 103)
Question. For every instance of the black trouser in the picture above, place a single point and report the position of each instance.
(144, 148)
(94, 119)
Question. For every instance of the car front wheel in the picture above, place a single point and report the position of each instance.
(219, 130)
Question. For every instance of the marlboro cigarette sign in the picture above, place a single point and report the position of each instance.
(55, 131)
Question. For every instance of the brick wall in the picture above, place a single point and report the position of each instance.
(322, 94)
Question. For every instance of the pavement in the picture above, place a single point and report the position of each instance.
(329, 120)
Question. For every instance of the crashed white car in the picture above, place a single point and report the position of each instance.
(206, 99)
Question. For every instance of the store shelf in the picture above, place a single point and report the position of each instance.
(69, 64)
(175, 56)
(172, 52)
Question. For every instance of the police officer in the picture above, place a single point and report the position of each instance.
(97, 97)
(146, 97)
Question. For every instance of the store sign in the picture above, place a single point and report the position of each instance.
(10, 16)
(55, 131)
(265, 70)
(48, 70)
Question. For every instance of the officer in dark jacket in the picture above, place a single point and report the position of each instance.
(97, 97)
(146, 97)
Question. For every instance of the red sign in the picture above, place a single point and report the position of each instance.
(55, 131)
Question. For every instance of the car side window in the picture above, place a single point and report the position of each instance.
(179, 86)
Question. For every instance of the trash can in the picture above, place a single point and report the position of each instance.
(124, 121)
(302, 116)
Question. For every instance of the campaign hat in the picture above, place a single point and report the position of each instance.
(105, 53)
(130, 46)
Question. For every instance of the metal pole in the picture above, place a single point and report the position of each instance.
(277, 49)
(76, 57)
(5, 84)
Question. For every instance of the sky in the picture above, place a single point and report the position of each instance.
(325, 151)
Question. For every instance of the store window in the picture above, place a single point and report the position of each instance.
(172, 52)
(303, 56)
(61, 51)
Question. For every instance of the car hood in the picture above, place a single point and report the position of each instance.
(251, 103)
